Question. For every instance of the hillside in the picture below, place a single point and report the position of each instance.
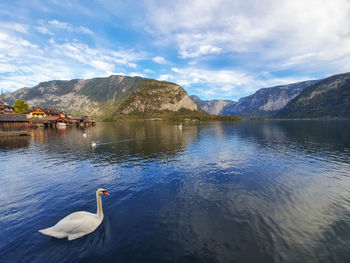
(266, 101)
(153, 95)
(328, 98)
(211, 106)
(105, 97)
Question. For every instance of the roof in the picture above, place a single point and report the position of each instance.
(75, 118)
(35, 109)
(51, 118)
(43, 120)
(13, 117)
(8, 106)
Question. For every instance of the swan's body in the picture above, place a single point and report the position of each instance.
(84, 135)
(77, 224)
(179, 126)
(93, 144)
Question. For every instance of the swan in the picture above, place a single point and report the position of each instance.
(78, 224)
(93, 144)
(84, 135)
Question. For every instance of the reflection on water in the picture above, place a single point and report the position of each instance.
(251, 191)
(14, 142)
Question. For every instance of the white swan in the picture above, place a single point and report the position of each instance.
(93, 144)
(84, 135)
(78, 224)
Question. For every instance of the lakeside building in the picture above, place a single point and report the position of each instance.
(12, 124)
(5, 108)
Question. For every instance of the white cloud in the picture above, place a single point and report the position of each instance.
(43, 30)
(135, 74)
(148, 71)
(68, 27)
(188, 76)
(14, 27)
(59, 24)
(224, 83)
(272, 33)
(166, 77)
(23, 63)
(159, 60)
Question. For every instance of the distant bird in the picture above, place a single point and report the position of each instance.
(85, 135)
(93, 144)
(78, 224)
(179, 126)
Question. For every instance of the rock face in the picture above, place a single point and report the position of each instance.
(214, 107)
(104, 96)
(266, 102)
(328, 98)
(153, 95)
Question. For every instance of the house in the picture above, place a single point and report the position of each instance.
(52, 113)
(62, 115)
(75, 120)
(5, 108)
(88, 121)
(36, 113)
(62, 120)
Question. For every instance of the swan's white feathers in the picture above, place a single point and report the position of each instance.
(74, 225)
(77, 224)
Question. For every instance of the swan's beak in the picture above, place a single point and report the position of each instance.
(106, 193)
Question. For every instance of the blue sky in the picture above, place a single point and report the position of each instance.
(214, 49)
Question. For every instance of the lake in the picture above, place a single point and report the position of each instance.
(250, 191)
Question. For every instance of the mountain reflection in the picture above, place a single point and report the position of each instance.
(307, 136)
(116, 142)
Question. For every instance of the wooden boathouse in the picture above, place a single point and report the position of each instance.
(13, 124)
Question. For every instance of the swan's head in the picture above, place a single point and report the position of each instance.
(101, 191)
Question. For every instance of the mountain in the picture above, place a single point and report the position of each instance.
(154, 96)
(328, 98)
(105, 97)
(211, 106)
(266, 102)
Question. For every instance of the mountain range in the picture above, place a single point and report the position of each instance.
(324, 98)
(328, 98)
(105, 97)
(116, 96)
(265, 102)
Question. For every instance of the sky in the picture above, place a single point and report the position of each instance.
(215, 49)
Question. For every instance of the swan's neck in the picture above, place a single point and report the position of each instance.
(99, 205)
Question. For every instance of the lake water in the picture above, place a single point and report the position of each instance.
(250, 191)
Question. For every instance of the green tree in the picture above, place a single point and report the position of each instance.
(20, 106)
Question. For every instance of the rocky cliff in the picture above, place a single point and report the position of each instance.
(328, 98)
(266, 102)
(153, 95)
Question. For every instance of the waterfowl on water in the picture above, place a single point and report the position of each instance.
(78, 224)
(84, 135)
(93, 144)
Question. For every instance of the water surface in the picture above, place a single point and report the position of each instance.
(250, 191)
